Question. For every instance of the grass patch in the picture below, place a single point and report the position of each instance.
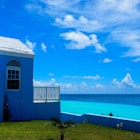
(40, 130)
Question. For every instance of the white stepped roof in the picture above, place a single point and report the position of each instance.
(14, 47)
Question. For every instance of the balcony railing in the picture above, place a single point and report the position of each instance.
(46, 94)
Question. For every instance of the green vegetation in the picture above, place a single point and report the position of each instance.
(44, 130)
(62, 125)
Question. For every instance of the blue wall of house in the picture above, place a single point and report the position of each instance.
(20, 102)
(46, 111)
(1, 89)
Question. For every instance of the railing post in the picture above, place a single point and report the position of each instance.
(46, 95)
(59, 94)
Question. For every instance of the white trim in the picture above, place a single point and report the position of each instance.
(13, 68)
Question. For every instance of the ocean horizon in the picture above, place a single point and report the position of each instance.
(130, 99)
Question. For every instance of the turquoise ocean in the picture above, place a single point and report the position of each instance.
(119, 105)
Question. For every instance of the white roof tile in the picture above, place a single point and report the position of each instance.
(14, 47)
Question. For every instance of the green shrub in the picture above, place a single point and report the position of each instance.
(6, 111)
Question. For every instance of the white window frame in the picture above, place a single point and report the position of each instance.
(13, 65)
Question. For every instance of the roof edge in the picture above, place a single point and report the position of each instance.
(17, 54)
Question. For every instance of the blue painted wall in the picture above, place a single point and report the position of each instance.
(46, 111)
(73, 117)
(131, 125)
(1, 89)
(20, 101)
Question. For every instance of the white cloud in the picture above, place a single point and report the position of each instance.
(127, 6)
(38, 83)
(43, 47)
(102, 11)
(117, 12)
(79, 40)
(65, 87)
(127, 69)
(54, 2)
(96, 77)
(83, 84)
(107, 60)
(120, 18)
(68, 21)
(51, 7)
(136, 60)
(30, 44)
(92, 14)
(126, 82)
(129, 39)
(98, 47)
(32, 7)
(98, 86)
(81, 24)
(51, 74)
(50, 83)
(83, 87)
(114, 81)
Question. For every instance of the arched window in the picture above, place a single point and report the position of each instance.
(13, 75)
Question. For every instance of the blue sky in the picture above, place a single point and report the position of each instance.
(83, 46)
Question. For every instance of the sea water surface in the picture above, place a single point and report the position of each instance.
(122, 106)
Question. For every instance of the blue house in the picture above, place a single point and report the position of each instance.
(25, 102)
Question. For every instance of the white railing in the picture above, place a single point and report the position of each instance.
(46, 94)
